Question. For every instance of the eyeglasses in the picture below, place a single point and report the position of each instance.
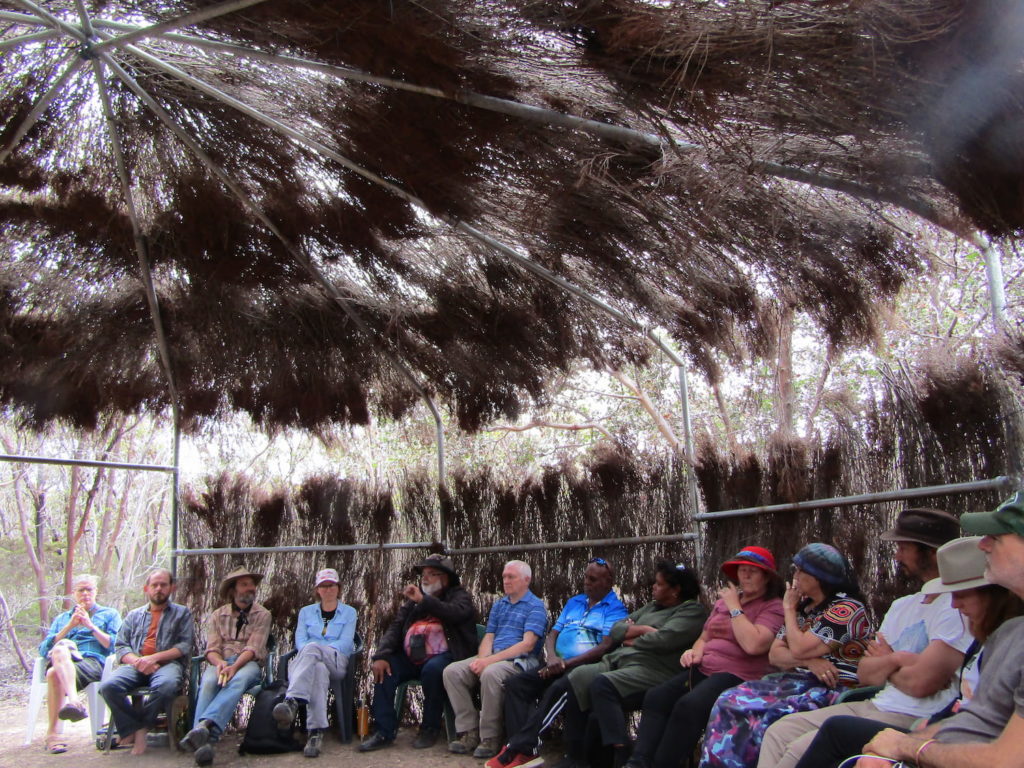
(680, 566)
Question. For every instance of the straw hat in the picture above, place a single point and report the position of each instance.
(961, 566)
(229, 581)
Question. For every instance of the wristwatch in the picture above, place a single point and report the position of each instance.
(734, 612)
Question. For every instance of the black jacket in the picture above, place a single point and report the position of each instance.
(454, 607)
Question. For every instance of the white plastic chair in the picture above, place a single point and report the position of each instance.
(37, 693)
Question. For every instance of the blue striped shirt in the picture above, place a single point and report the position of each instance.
(509, 621)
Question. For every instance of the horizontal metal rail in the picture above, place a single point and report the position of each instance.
(950, 489)
(573, 544)
(427, 544)
(302, 548)
(87, 463)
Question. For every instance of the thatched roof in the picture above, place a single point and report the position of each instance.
(288, 286)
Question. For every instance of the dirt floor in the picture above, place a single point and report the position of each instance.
(83, 753)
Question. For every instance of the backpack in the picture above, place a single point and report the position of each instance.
(261, 734)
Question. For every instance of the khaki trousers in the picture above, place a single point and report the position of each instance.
(787, 739)
(460, 682)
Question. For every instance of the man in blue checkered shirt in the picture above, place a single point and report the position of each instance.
(513, 642)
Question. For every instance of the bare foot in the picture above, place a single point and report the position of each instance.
(140, 742)
(126, 741)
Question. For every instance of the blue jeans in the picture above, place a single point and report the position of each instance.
(402, 669)
(217, 703)
(166, 682)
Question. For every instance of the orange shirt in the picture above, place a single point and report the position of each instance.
(149, 644)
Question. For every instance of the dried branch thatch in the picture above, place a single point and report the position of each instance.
(692, 240)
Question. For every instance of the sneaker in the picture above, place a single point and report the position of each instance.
(313, 743)
(487, 748)
(426, 738)
(377, 741)
(466, 742)
(204, 755)
(194, 739)
(508, 759)
(73, 711)
(284, 713)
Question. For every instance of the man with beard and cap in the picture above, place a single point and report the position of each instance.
(435, 626)
(987, 733)
(236, 647)
(919, 647)
(153, 645)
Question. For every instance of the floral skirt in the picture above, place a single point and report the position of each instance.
(742, 715)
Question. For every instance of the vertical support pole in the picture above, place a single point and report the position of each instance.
(174, 495)
(996, 286)
(691, 475)
(442, 522)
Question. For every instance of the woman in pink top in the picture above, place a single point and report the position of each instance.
(732, 648)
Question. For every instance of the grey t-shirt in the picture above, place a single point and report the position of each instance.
(1000, 691)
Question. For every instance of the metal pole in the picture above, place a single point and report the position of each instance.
(53, 21)
(85, 463)
(691, 475)
(998, 483)
(174, 498)
(303, 548)
(14, 42)
(996, 287)
(579, 544)
(330, 288)
(74, 64)
(182, 21)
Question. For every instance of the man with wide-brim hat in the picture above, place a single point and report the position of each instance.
(919, 647)
(990, 731)
(236, 648)
(435, 626)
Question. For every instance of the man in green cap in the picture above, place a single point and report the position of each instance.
(990, 731)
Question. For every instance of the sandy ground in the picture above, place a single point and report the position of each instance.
(82, 751)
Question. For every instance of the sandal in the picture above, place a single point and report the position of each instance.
(73, 712)
(55, 745)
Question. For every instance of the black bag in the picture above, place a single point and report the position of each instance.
(261, 735)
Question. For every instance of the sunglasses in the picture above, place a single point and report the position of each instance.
(598, 561)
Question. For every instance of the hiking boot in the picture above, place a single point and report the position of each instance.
(194, 739)
(204, 755)
(313, 743)
(426, 738)
(377, 741)
(487, 748)
(466, 742)
(284, 713)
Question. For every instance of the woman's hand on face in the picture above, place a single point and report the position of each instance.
(792, 597)
(824, 670)
(730, 595)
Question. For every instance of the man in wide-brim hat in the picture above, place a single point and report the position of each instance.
(435, 626)
(236, 648)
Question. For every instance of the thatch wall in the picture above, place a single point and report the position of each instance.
(956, 421)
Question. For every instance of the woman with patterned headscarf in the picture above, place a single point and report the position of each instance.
(824, 636)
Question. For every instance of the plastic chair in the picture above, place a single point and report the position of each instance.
(195, 675)
(863, 693)
(401, 694)
(37, 693)
(343, 690)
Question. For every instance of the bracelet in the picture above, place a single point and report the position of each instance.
(920, 749)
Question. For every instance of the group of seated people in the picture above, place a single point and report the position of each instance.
(759, 679)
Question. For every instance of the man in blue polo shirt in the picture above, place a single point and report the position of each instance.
(512, 642)
(576, 638)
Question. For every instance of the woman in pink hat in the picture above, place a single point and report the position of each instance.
(324, 638)
(732, 648)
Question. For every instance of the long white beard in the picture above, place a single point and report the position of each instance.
(431, 589)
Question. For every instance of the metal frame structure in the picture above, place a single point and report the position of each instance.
(96, 47)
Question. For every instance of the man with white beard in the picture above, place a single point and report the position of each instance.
(236, 647)
(435, 626)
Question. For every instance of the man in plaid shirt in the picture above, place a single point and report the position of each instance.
(236, 647)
